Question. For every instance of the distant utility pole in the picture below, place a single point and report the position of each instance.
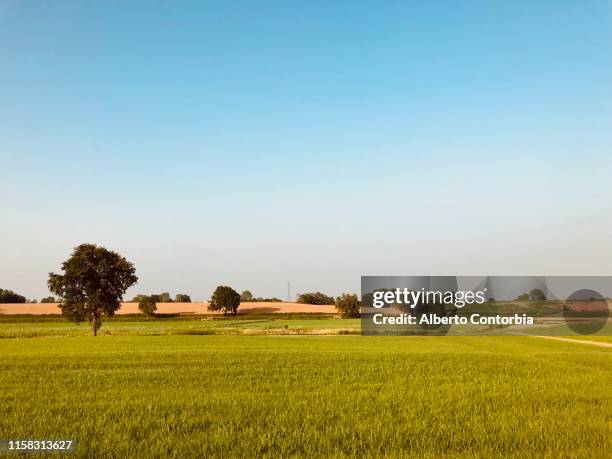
(288, 291)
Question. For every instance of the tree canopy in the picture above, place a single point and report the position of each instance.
(347, 305)
(315, 298)
(247, 297)
(147, 305)
(8, 296)
(537, 295)
(225, 299)
(164, 298)
(93, 284)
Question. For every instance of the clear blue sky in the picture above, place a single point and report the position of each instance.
(253, 143)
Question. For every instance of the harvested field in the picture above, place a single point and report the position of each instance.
(177, 308)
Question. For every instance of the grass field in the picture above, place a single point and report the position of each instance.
(13, 327)
(241, 396)
(601, 339)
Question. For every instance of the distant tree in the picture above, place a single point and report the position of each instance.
(367, 299)
(315, 298)
(259, 299)
(537, 295)
(523, 297)
(137, 298)
(247, 297)
(347, 305)
(93, 284)
(48, 299)
(182, 298)
(164, 298)
(147, 305)
(32, 301)
(225, 299)
(8, 296)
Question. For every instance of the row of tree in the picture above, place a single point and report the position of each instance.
(247, 297)
(224, 299)
(8, 296)
(94, 280)
(315, 298)
(165, 298)
(227, 300)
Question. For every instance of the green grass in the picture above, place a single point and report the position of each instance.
(178, 326)
(278, 396)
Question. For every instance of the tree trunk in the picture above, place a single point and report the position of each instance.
(96, 323)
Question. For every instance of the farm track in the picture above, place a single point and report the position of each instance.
(579, 341)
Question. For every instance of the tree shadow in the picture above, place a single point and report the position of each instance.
(261, 310)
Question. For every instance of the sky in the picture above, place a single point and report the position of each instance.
(254, 144)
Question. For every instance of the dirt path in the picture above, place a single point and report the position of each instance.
(579, 341)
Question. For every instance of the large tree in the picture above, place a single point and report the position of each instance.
(93, 284)
(348, 305)
(225, 299)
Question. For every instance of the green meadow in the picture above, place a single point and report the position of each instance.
(23, 327)
(166, 393)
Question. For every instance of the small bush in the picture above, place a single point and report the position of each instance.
(537, 295)
(147, 305)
